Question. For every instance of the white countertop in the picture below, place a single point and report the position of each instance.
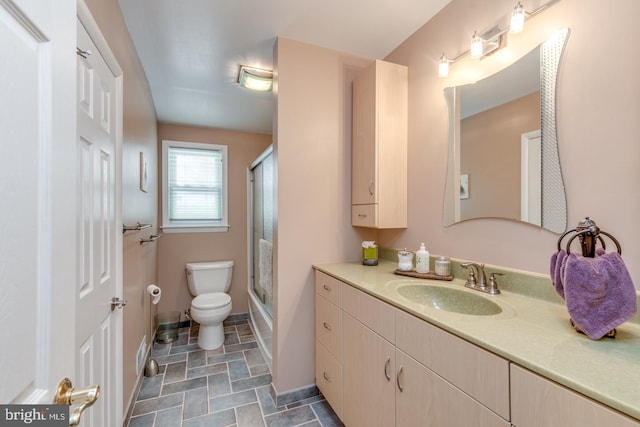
(533, 333)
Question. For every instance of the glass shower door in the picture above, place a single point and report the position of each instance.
(262, 229)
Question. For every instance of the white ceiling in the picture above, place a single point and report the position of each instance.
(191, 49)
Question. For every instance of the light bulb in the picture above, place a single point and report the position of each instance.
(517, 19)
(443, 66)
(476, 45)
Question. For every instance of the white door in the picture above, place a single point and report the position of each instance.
(98, 322)
(531, 178)
(40, 251)
(37, 181)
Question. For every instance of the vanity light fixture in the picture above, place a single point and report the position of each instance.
(476, 45)
(517, 19)
(443, 66)
(255, 78)
(484, 44)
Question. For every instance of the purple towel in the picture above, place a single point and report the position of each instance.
(599, 292)
(557, 261)
(557, 268)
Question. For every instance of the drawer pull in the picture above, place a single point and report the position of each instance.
(327, 326)
(386, 367)
(362, 215)
(326, 377)
(326, 288)
(400, 387)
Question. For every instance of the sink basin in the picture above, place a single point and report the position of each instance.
(448, 299)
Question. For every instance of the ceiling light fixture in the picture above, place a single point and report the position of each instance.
(255, 78)
(484, 44)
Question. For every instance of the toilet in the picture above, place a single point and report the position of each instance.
(208, 282)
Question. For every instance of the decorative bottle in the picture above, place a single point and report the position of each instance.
(422, 260)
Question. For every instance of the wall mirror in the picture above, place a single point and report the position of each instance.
(503, 149)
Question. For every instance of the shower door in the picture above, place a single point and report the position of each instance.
(261, 228)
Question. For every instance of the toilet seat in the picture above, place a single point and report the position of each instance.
(211, 301)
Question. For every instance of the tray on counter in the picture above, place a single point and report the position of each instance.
(429, 275)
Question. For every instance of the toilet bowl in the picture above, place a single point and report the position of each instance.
(208, 283)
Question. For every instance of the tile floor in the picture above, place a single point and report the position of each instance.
(224, 387)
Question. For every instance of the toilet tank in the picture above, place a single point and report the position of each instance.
(206, 277)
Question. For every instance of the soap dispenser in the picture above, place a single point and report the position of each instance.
(422, 260)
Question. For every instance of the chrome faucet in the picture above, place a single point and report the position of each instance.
(479, 283)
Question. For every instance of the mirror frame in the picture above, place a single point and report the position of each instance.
(554, 202)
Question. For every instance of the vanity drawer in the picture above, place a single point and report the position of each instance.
(329, 326)
(364, 215)
(371, 312)
(329, 378)
(479, 373)
(329, 287)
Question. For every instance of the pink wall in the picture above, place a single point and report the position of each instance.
(312, 141)
(597, 113)
(139, 135)
(177, 249)
(490, 144)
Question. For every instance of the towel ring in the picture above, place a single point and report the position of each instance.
(604, 246)
(599, 238)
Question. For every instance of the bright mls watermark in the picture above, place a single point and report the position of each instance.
(34, 415)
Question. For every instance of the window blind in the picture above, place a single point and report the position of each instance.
(195, 184)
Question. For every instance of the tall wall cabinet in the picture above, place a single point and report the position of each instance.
(379, 150)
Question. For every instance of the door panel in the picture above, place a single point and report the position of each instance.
(33, 36)
(95, 320)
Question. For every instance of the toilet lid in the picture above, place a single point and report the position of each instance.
(211, 300)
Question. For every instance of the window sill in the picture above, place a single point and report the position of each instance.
(220, 228)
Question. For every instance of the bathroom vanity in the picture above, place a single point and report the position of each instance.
(385, 358)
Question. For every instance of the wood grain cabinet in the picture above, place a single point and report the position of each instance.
(539, 402)
(398, 370)
(379, 146)
(380, 366)
(328, 328)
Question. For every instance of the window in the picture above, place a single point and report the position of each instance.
(194, 187)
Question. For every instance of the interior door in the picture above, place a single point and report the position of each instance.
(58, 233)
(37, 182)
(531, 178)
(98, 321)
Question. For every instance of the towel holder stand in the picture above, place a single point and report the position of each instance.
(589, 234)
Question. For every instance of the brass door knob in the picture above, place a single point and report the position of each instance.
(84, 397)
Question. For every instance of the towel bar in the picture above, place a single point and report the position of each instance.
(151, 238)
(136, 227)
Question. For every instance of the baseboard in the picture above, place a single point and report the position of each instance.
(292, 396)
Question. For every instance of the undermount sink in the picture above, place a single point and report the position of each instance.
(448, 299)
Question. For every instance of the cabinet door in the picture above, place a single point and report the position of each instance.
(368, 377)
(479, 373)
(363, 149)
(424, 399)
(536, 401)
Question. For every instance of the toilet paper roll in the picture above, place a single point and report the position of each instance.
(155, 293)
